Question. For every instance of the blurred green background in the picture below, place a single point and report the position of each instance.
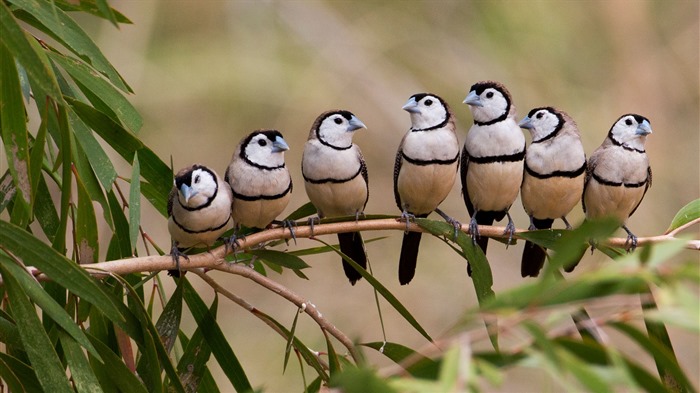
(206, 73)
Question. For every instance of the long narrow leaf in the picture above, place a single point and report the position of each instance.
(215, 338)
(39, 348)
(416, 364)
(14, 129)
(382, 291)
(193, 363)
(68, 32)
(135, 201)
(86, 226)
(23, 374)
(33, 61)
(52, 309)
(688, 213)
(115, 369)
(83, 377)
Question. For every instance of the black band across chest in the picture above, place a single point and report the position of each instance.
(570, 174)
(416, 161)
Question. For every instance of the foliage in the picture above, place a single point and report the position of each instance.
(75, 324)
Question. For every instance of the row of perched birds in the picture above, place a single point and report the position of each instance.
(552, 175)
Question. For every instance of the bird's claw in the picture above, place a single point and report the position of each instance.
(510, 231)
(474, 230)
(631, 242)
(357, 216)
(407, 218)
(312, 221)
(175, 253)
(457, 226)
(566, 222)
(289, 224)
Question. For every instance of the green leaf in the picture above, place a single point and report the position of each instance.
(688, 213)
(65, 160)
(36, 158)
(126, 114)
(280, 258)
(168, 324)
(60, 269)
(481, 270)
(45, 211)
(416, 364)
(304, 210)
(99, 161)
(36, 342)
(7, 190)
(80, 370)
(667, 364)
(32, 59)
(50, 307)
(9, 334)
(299, 346)
(215, 338)
(115, 369)
(333, 361)
(90, 8)
(153, 169)
(358, 380)
(155, 197)
(135, 201)
(20, 373)
(106, 11)
(121, 226)
(63, 28)
(193, 364)
(14, 129)
(86, 226)
(595, 354)
(290, 340)
(382, 291)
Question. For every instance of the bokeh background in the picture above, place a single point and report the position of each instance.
(206, 73)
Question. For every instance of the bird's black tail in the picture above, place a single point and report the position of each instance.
(534, 255)
(483, 218)
(351, 244)
(409, 256)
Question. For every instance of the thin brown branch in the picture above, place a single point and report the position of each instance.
(243, 303)
(214, 258)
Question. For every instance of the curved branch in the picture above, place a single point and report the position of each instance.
(215, 258)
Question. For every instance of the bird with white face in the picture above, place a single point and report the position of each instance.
(619, 174)
(336, 180)
(199, 210)
(424, 170)
(491, 167)
(259, 180)
(555, 166)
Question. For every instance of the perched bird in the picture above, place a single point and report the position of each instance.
(199, 210)
(425, 170)
(259, 180)
(335, 177)
(555, 165)
(491, 167)
(618, 174)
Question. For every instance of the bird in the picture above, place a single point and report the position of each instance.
(259, 181)
(336, 179)
(425, 170)
(618, 174)
(199, 211)
(491, 165)
(555, 166)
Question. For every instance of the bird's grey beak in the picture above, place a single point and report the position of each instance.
(644, 128)
(473, 99)
(526, 123)
(355, 124)
(411, 106)
(279, 145)
(187, 192)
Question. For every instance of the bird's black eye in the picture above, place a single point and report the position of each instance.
(338, 120)
(196, 179)
(428, 102)
(628, 122)
(262, 142)
(539, 115)
(489, 94)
